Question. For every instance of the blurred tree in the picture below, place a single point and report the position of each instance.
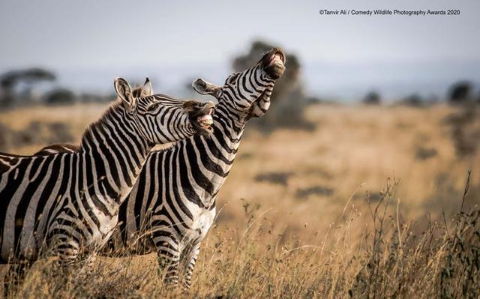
(414, 100)
(95, 98)
(7, 84)
(288, 99)
(60, 96)
(34, 75)
(460, 92)
(372, 98)
(465, 130)
(4, 138)
(11, 79)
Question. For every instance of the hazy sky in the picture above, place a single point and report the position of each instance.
(104, 34)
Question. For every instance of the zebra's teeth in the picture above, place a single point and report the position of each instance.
(206, 121)
(276, 58)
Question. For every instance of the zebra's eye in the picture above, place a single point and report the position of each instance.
(152, 107)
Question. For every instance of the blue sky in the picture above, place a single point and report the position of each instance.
(107, 37)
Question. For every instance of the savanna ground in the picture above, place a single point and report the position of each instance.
(371, 203)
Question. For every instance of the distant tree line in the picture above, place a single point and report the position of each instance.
(16, 89)
(289, 98)
(29, 77)
(459, 93)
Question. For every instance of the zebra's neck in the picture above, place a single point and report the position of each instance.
(212, 155)
(113, 148)
(230, 124)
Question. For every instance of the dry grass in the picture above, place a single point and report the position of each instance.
(366, 205)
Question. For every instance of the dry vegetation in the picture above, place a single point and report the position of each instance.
(371, 203)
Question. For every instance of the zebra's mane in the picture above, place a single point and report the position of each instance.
(114, 106)
(137, 91)
(94, 126)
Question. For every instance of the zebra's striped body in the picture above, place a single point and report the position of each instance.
(68, 202)
(172, 206)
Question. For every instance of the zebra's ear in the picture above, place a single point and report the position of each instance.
(124, 92)
(203, 87)
(147, 89)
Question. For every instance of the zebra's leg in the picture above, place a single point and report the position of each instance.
(14, 277)
(88, 263)
(168, 255)
(65, 247)
(188, 264)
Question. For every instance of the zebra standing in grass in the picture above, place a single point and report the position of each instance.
(172, 206)
(68, 203)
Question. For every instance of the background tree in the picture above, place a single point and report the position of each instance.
(60, 96)
(372, 98)
(30, 77)
(460, 92)
(414, 100)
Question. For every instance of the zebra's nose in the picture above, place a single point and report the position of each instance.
(208, 106)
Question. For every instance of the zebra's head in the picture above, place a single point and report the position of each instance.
(162, 119)
(248, 92)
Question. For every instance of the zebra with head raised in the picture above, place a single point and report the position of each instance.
(67, 204)
(172, 206)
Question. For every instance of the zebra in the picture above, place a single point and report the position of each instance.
(66, 204)
(173, 204)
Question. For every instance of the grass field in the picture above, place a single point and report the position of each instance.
(369, 204)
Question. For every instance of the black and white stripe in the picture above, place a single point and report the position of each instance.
(172, 206)
(67, 203)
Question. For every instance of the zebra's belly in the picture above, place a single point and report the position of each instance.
(202, 221)
(89, 235)
(104, 232)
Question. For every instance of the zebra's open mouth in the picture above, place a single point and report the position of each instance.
(206, 121)
(277, 58)
(201, 118)
(274, 63)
